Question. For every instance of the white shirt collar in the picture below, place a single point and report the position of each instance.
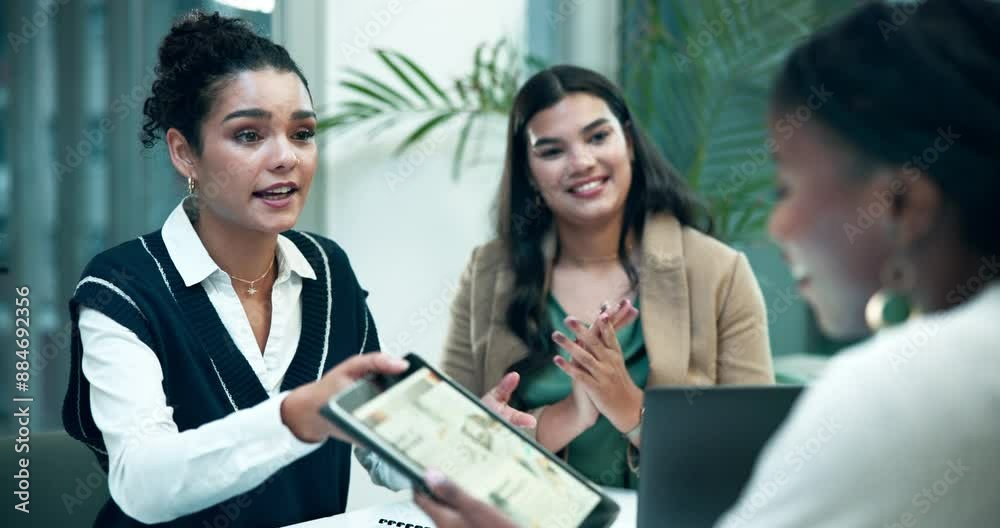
(291, 259)
(195, 264)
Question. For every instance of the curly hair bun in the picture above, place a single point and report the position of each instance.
(197, 56)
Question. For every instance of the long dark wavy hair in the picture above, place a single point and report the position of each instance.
(522, 224)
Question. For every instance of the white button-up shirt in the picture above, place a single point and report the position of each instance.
(157, 473)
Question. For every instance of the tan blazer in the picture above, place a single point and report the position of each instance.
(702, 312)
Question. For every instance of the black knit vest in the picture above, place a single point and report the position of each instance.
(206, 377)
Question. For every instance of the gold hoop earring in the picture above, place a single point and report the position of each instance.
(191, 186)
(891, 305)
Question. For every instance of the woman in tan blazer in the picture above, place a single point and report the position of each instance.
(703, 317)
(589, 212)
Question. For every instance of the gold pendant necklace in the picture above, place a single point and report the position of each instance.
(251, 290)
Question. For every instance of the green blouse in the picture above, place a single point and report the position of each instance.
(600, 452)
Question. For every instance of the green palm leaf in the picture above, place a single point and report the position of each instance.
(384, 89)
(380, 103)
(423, 77)
(370, 92)
(386, 59)
(423, 129)
(463, 137)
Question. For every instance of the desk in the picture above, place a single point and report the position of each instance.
(405, 510)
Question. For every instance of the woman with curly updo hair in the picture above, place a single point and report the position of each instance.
(202, 352)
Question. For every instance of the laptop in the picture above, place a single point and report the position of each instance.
(699, 445)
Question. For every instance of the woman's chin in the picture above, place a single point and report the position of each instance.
(596, 215)
(281, 228)
(276, 224)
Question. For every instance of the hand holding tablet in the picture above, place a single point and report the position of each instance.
(455, 508)
(420, 419)
(300, 409)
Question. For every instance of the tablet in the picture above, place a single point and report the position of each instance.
(422, 419)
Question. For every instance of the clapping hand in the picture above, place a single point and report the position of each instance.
(598, 365)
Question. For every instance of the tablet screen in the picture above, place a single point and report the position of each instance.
(432, 425)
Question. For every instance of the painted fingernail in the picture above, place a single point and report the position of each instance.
(399, 362)
(556, 336)
(604, 307)
(435, 477)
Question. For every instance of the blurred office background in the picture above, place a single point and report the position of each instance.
(74, 179)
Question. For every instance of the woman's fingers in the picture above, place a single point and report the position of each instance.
(580, 356)
(587, 336)
(609, 337)
(455, 507)
(623, 314)
(571, 369)
(605, 332)
(498, 397)
(505, 389)
(518, 418)
(443, 516)
(359, 365)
